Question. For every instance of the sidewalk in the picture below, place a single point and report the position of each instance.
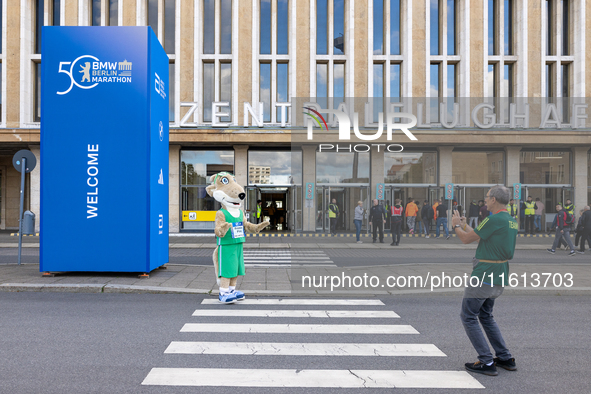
(281, 281)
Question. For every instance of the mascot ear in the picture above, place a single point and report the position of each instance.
(210, 189)
(212, 178)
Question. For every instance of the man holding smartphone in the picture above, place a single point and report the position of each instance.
(496, 237)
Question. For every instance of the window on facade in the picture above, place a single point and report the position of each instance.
(342, 167)
(434, 91)
(478, 167)
(106, 13)
(330, 13)
(274, 58)
(217, 57)
(163, 23)
(39, 22)
(37, 99)
(548, 10)
(386, 77)
(95, 16)
(412, 167)
(395, 27)
(434, 27)
(378, 27)
(544, 168)
(274, 167)
(500, 53)
(171, 89)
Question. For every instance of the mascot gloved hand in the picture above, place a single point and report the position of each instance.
(228, 257)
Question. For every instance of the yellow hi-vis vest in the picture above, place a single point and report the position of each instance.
(512, 209)
(529, 208)
(333, 210)
(258, 211)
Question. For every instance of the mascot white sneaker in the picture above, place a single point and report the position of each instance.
(230, 223)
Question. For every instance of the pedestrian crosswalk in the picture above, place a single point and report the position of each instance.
(286, 258)
(303, 335)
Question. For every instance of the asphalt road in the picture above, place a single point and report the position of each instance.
(109, 343)
(345, 257)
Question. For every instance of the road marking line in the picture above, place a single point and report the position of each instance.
(294, 313)
(228, 377)
(301, 328)
(296, 301)
(306, 349)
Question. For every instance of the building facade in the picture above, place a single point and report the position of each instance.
(239, 67)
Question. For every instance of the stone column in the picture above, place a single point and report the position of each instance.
(241, 164)
(512, 160)
(376, 171)
(35, 188)
(580, 177)
(309, 175)
(445, 164)
(174, 160)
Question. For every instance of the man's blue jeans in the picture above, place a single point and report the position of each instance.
(441, 221)
(538, 222)
(481, 309)
(357, 227)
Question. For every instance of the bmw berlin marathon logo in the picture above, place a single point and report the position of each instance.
(88, 71)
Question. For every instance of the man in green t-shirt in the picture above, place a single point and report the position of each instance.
(496, 237)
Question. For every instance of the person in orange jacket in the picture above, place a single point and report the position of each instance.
(411, 215)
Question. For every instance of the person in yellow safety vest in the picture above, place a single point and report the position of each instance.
(512, 209)
(529, 211)
(333, 214)
(570, 208)
(259, 210)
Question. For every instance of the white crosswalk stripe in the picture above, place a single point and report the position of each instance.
(296, 301)
(302, 328)
(291, 341)
(286, 258)
(306, 349)
(294, 313)
(310, 378)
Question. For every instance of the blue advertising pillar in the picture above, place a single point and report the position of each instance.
(104, 150)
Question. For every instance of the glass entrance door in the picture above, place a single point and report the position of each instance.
(346, 199)
(549, 196)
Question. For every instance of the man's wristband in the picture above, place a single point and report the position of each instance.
(456, 226)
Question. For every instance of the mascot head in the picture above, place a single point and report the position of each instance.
(225, 190)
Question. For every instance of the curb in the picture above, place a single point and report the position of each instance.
(129, 289)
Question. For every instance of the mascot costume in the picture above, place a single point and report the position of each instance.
(228, 257)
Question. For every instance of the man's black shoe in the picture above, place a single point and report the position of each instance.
(374, 241)
(381, 242)
(484, 369)
(509, 365)
(393, 244)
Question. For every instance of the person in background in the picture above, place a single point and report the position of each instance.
(259, 210)
(387, 208)
(272, 217)
(483, 212)
(396, 225)
(585, 222)
(538, 215)
(570, 209)
(561, 241)
(435, 210)
(442, 219)
(529, 208)
(418, 222)
(426, 215)
(377, 216)
(358, 219)
(512, 208)
(562, 231)
(333, 215)
(411, 215)
(473, 214)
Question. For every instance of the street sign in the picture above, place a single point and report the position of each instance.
(309, 191)
(449, 191)
(517, 191)
(380, 188)
(30, 160)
